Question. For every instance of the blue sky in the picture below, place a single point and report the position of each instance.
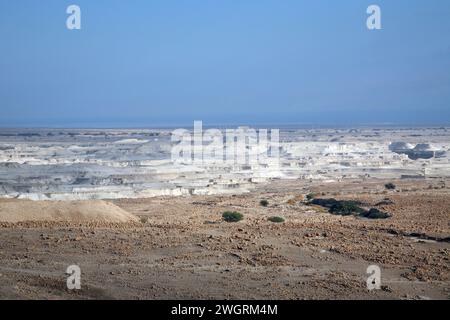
(142, 63)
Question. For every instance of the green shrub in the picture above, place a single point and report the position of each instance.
(390, 186)
(375, 214)
(264, 203)
(276, 219)
(232, 216)
(328, 203)
(346, 208)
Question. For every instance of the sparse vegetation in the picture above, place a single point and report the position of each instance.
(264, 203)
(375, 214)
(390, 186)
(348, 207)
(310, 196)
(232, 216)
(276, 219)
(324, 202)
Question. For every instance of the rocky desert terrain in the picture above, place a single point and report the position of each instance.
(180, 247)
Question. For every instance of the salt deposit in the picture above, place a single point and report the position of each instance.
(133, 163)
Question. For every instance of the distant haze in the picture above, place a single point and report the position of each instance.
(165, 63)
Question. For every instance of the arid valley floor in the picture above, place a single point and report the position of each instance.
(180, 248)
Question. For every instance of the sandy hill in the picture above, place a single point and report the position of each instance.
(13, 210)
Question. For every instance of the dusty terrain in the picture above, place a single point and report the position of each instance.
(66, 211)
(180, 248)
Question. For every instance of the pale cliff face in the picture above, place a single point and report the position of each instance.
(104, 164)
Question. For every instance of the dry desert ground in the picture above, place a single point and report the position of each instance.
(180, 247)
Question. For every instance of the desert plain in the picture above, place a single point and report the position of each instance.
(181, 248)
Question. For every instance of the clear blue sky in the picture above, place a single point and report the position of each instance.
(142, 63)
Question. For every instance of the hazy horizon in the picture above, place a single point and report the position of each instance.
(230, 125)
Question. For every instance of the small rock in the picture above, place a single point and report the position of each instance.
(386, 288)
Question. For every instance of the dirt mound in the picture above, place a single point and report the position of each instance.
(65, 211)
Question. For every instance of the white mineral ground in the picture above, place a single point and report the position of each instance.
(115, 164)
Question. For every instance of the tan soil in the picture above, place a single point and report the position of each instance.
(14, 211)
(181, 248)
